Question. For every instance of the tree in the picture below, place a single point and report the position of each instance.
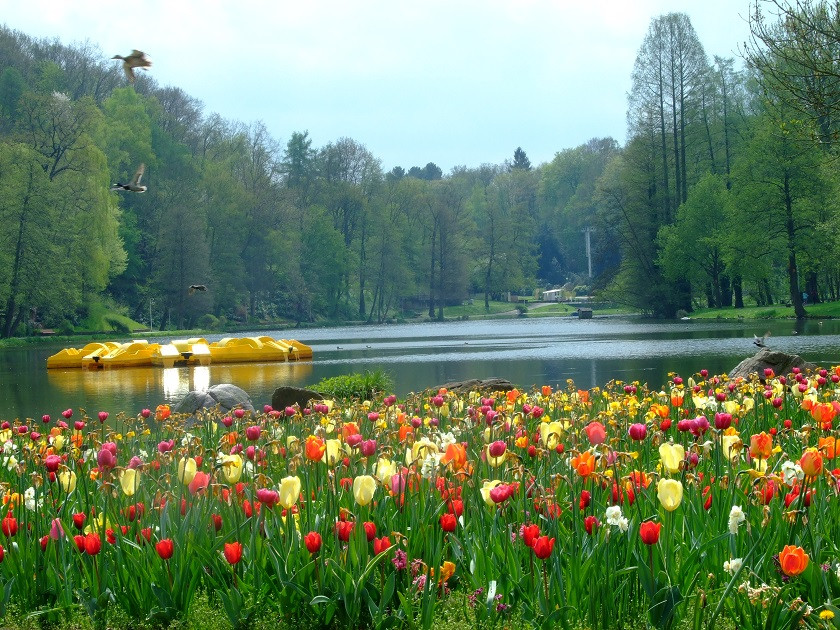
(780, 189)
(695, 245)
(520, 160)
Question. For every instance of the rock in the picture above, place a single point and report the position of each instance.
(287, 396)
(780, 362)
(492, 384)
(224, 395)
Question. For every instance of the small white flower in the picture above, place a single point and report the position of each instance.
(623, 524)
(187, 439)
(614, 515)
(144, 455)
(9, 447)
(29, 499)
(736, 517)
(10, 462)
(792, 471)
(732, 566)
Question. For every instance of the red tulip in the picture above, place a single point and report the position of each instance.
(80, 542)
(543, 547)
(92, 544)
(530, 533)
(79, 520)
(370, 530)
(380, 545)
(217, 521)
(9, 525)
(233, 552)
(649, 531)
(448, 522)
(343, 529)
(2, 553)
(590, 523)
(165, 548)
(312, 540)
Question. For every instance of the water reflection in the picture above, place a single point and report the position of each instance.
(418, 356)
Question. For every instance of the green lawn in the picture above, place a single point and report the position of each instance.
(824, 309)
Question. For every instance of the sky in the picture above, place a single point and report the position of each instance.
(454, 82)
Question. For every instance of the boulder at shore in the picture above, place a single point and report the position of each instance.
(287, 396)
(779, 362)
(225, 395)
(487, 385)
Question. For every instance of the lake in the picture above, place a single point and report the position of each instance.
(525, 351)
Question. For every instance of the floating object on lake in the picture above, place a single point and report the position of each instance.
(194, 351)
(73, 357)
(134, 185)
(137, 59)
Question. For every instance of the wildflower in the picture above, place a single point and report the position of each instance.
(733, 565)
(793, 560)
(400, 560)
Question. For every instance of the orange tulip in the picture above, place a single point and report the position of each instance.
(512, 395)
(828, 447)
(546, 390)
(405, 429)
(456, 455)
(660, 410)
(761, 446)
(315, 448)
(811, 462)
(349, 428)
(793, 560)
(823, 412)
(676, 399)
(584, 464)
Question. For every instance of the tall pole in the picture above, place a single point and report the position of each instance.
(588, 232)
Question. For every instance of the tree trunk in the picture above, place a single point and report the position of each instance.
(793, 272)
(738, 288)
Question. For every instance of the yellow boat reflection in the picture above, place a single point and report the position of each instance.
(177, 381)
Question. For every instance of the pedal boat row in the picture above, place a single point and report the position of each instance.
(195, 351)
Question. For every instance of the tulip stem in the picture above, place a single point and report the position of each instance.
(545, 582)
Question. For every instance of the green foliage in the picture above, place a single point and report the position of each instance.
(365, 386)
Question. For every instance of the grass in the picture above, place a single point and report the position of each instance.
(476, 309)
(822, 310)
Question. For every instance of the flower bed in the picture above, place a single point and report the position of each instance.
(706, 501)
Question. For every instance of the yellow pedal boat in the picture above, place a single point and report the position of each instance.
(131, 354)
(193, 351)
(73, 357)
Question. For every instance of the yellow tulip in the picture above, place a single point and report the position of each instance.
(289, 491)
(731, 446)
(672, 456)
(364, 487)
(57, 442)
(419, 450)
(231, 467)
(485, 491)
(731, 406)
(333, 452)
(550, 433)
(385, 469)
(670, 493)
(129, 481)
(186, 470)
(67, 480)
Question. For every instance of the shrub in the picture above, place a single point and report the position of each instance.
(365, 386)
(208, 321)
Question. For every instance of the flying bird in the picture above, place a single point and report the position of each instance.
(137, 59)
(197, 287)
(134, 185)
(760, 341)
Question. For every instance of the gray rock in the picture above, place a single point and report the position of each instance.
(780, 362)
(287, 396)
(492, 384)
(224, 395)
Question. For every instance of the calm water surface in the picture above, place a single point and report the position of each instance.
(524, 351)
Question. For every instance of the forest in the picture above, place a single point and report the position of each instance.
(723, 194)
